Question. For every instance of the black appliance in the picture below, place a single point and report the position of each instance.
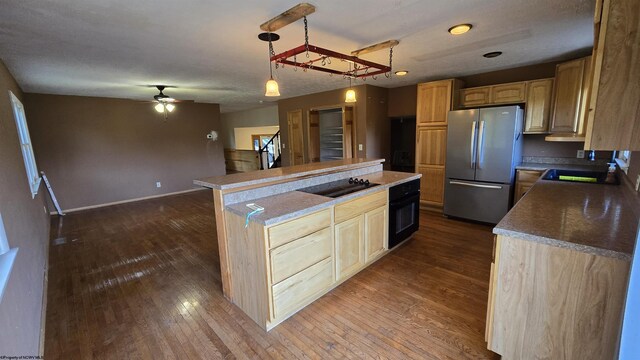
(339, 188)
(404, 211)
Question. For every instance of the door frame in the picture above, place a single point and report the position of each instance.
(354, 145)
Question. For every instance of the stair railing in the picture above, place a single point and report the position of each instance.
(269, 154)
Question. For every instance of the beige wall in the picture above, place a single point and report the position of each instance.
(99, 150)
(378, 125)
(243, 135)
(403, 101)
(264, 116)
(27, 228)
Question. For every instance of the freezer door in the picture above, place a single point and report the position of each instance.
(461, 145)
(486, 202)
(498, 129)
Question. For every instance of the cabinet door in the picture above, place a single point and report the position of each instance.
(431, 145)
(538, 106)
(508, 93)
(475, 96)
(432, 184)
(349, 239)
(434, 102)
(375, 232)
(568, 96)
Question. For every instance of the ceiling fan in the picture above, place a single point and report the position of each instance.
(165, 103)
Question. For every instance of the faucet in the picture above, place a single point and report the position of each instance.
(592, 155)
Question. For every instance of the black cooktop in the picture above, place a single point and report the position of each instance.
(339, 188)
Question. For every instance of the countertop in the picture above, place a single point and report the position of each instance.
(545, 166)
(231, 181)
(282, 207)
(590, 218)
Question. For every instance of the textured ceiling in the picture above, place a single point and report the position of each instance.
(210, 51)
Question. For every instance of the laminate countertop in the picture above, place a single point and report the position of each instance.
(282, 207)
(591, 218)
(251, 178)
(545, 166)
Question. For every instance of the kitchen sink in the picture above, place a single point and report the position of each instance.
(339, 188)
(582, 176)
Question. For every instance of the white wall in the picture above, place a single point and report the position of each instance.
(630, 346)
(264, 116)
(242, 135)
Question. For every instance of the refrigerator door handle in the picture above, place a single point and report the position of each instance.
(481, 144)
(472, 147)
(484, 186)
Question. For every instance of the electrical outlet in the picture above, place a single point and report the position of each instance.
(580, 154)
(282, 144)
(359, 147)
(638, 183)
(158, 184)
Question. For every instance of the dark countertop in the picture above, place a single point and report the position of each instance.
(545, 166)
(590, 218)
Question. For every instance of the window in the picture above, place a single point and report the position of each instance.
(25, 143)
(623, 159)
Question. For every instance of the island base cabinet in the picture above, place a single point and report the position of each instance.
(376, 233)
(547, 302)
(349, 247)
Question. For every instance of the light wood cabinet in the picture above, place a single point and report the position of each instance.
(476, 96)
(538, 106)
(349, 246)
(508, 93)
(614, 106)
(376, 233)
(431, 146)
(570, 96)
(431, 184)
(525, 179)
(554, 303)
(435, 100)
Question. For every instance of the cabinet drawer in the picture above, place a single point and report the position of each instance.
(475, 96)
(290, 294)
(528, 176)
(291, 258)
(358, 206)
(508, 93)
(297, 228)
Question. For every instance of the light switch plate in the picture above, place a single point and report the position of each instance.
(638, 183)
(359, 147)
(580, 154)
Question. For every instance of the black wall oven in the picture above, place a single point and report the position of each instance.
(404, 211)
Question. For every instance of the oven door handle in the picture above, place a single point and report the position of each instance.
(405, 200)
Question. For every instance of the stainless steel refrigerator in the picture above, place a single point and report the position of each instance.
(483, 147)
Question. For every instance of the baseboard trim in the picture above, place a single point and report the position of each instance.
(66, 211)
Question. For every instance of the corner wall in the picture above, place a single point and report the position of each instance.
(27, 227)
(100, 150)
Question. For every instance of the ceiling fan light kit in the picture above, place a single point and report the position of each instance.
(318, 58)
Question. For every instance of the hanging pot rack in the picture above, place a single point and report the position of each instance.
(361, 68)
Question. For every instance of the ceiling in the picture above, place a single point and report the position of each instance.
(210, 51)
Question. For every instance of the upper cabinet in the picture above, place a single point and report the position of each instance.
(571, 89)
(614, 106)
(511, 93)
(435, 99)
(538, 107)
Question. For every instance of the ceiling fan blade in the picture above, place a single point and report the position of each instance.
(292, 15)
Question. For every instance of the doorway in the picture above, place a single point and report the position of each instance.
(331, 133)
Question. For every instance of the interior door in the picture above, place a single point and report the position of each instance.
(314, 136)
(499, 128)
(461, 149)
(296, 147)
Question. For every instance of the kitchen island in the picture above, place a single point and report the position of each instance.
(276, 261)
(559, 276)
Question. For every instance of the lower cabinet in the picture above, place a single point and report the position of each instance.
(349, 247)
(279, 269)
(524, 181)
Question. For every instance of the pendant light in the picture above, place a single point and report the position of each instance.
(271, 87)
(350, 95)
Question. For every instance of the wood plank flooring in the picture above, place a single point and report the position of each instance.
(142, 281)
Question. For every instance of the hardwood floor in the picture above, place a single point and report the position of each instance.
(142, 280)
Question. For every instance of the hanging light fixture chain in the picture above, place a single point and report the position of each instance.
(271, 53)
(306, 36)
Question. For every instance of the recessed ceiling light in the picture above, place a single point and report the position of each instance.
(492, 54)
(401, 72)
(459, 29)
